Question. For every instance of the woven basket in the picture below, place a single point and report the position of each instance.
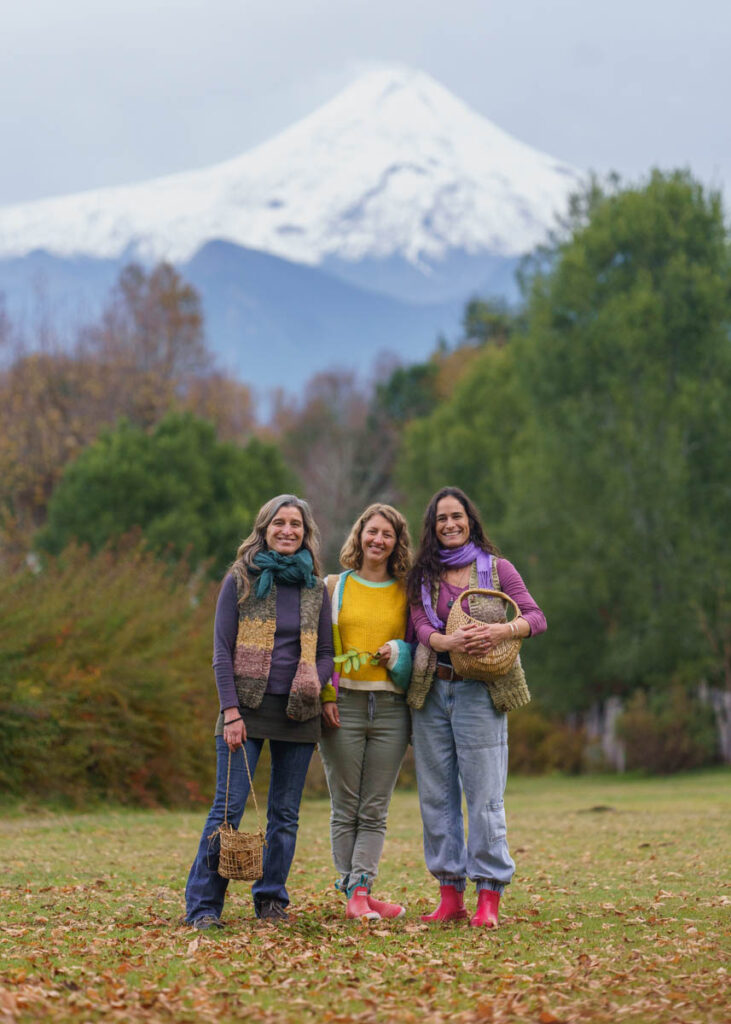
(242, 853)
(493, 663)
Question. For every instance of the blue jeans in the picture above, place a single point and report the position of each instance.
(461, 745)
(205, 891)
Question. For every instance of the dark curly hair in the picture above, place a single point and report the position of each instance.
(427, 564)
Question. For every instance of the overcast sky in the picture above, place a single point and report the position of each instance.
(116, 92)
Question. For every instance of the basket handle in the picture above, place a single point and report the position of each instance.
(491, 593)
(251, 788)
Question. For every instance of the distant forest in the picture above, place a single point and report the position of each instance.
(589, 423)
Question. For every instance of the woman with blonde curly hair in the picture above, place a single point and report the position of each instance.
(369, 725)
(272, 658)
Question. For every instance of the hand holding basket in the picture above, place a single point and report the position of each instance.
(497, 660)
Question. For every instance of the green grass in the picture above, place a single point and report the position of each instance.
(617, 913)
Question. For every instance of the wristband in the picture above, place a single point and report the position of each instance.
(232, 721)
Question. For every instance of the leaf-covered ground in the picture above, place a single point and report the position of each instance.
(618, 912)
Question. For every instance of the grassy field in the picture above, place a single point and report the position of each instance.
(618, 912)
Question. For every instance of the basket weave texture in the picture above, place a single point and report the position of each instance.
(496, 662)
(241, 856)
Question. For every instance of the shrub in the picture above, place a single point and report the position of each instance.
(540, 744)
(106, 689)
(669, 731)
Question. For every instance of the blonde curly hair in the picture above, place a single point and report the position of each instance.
(399, 561)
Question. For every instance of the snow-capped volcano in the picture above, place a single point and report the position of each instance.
(394, 166)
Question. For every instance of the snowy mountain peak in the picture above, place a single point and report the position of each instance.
(394, 165)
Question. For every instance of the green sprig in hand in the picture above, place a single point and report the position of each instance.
(355, 660)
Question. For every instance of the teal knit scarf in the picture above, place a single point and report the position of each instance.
(276, 568)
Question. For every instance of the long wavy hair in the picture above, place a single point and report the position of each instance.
(399, 561)
(256, 541)
(427, 564)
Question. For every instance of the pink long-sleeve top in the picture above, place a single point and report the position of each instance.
(511, 583)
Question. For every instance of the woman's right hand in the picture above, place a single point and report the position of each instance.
(234, 734)
(331, 715)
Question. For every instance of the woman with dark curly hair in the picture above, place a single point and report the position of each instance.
(369, 725)
(460, 731)
(272, 658)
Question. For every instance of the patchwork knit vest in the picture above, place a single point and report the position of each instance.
(255, 643)
(509, 691)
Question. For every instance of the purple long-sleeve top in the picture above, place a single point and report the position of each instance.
(511, 583)
(286, 652)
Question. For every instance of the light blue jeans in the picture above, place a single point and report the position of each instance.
(461, 745)
(362, 760)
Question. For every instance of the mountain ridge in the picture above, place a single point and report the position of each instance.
(392, 166)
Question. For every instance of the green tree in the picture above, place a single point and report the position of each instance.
(622, 493)
(190, 494)
(489, 322)
(598, 443)
(468, 440)
(408, 392)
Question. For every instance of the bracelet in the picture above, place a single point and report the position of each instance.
(232, 721)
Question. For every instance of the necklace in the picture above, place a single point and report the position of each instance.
(457, 588)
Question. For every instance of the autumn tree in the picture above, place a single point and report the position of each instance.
(150, 340)
(325, 440)
(146, 356)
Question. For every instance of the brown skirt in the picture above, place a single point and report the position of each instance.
(269, 722)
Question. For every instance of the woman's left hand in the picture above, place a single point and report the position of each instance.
(481, 636)
(384, 655)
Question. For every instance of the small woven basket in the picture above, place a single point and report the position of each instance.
(493, 663)
(241, 857)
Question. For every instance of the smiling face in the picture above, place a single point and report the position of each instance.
(377, 539)
(452, 525)
(286, 531)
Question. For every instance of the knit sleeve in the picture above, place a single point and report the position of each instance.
(511, 583)
(225, 628)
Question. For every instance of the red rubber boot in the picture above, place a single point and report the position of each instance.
(451, 906)
(386, 910)
(487, 904)
(358, 906)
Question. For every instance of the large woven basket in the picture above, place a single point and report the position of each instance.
(493, 663)
(241, 857)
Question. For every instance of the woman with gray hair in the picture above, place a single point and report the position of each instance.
(272, 660)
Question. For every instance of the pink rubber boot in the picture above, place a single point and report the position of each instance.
(487, 904)
(386, 910)
(358, 905)
(451, 906)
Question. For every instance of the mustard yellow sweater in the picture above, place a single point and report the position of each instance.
(371, 614)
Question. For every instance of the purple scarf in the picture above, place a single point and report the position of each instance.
(453, 558)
